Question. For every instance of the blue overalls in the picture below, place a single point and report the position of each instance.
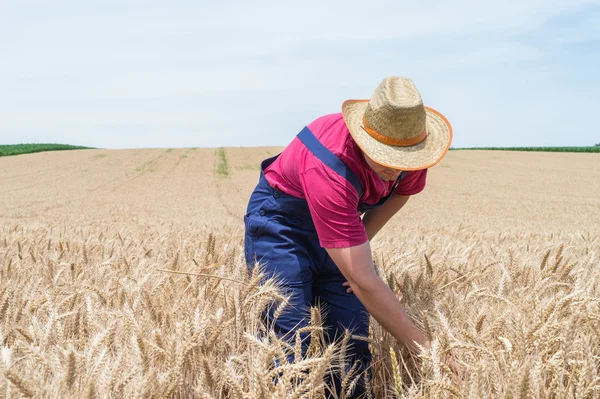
(280, 234)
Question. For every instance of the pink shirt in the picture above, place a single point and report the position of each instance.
(332, 200)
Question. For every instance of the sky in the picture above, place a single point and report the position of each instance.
(158, 74)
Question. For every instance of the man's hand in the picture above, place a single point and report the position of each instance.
(356, 264)
(451, 361)
(349, 289)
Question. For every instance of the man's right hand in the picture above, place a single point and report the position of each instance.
(356, 264)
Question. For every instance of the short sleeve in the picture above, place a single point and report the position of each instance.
(413, 183)
(333, 204)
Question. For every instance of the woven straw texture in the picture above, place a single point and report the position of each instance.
(396, 111)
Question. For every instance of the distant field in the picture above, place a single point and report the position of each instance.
(18, 149)
(595, 148)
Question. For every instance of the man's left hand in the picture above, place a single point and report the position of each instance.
(349, 289)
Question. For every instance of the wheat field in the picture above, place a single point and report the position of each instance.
(122, 275)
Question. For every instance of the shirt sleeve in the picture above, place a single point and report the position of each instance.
(413, 183)
(333, 204)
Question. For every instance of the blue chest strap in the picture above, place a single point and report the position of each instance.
(338, 166)
(329, 158)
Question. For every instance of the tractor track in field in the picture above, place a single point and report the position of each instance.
(218, 180)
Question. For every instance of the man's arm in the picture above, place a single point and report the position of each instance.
(356, 264)
(376, 218)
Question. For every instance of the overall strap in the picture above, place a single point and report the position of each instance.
(404, 173)
(384, 199)
(329, 158)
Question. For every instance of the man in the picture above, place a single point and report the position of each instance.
(304, 224)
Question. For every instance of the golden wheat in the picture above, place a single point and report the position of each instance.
(108, 289)
(79, 322)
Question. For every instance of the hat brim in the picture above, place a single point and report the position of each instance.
(416, 157)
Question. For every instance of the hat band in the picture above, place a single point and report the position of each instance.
(392, 140)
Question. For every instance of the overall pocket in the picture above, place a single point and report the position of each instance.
(257, 217)
(254, 224)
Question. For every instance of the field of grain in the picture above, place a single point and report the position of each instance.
(121, 275)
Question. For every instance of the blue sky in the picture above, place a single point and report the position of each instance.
(131, 74)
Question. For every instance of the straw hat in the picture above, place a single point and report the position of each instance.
(395, 129)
